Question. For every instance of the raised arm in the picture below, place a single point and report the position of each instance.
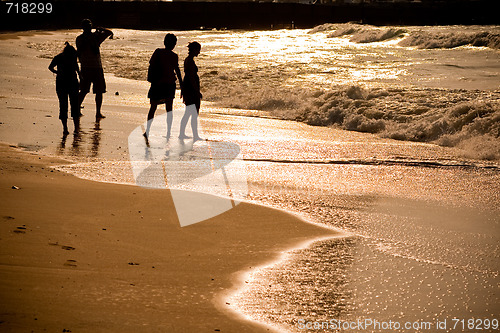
(103, 34)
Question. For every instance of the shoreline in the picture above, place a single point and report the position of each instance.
(242, 279)
(41, 250)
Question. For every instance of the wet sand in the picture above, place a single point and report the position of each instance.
(84, 256)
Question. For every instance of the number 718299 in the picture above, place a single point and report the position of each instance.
(29, 8)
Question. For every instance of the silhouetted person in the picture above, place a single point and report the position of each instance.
(87, 45)
(162, 73)
(65, 66)
(191, 92)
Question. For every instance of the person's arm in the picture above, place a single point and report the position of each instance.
(52, 66)
(78, 43)
(190, 74)
(178, 73)
(152, 74)
(77, 68)
(103, 33)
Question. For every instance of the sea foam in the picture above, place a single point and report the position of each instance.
(466, 119)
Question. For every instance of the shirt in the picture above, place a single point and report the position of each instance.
(87, 45)
(67, 67)
(162, 66)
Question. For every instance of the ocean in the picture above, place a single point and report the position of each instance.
(388, 134)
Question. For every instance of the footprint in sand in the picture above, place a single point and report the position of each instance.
(64, 247)
(20, 230)
(70, 262)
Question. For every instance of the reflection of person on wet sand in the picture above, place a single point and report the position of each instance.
(162, 73)
(87, 45)
(191, 92)
(96, 139)
(65, 66)
(84, 144)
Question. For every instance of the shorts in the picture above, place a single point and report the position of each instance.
(94, 76)
(159, 92)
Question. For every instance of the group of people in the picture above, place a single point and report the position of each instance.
(163, 73)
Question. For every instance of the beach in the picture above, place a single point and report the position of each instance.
(97, 257)
(357, 225)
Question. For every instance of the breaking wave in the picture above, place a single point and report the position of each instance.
(424, 38)
(469, 120)
(361, 34)
(466, 119)
(427, 40)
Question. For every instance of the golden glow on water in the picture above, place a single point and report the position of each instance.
(299, 50)
(424, 241)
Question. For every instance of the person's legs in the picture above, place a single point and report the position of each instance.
(81, 98)
(76, 123)
(96, 76)
(65, 126)
(75, 109)
(85, 82)
(98, 105)
(184, 120)
(170, 116)
(194, 121)
(74, 103)
(151, 115)
(63, 109)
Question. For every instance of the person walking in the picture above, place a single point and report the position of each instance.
(87, 45)
(163, 72)
(65, 66)
(191, 92)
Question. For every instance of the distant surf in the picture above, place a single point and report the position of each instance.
(420, 37)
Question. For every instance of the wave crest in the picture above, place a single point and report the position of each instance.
(428, 40)
(424, 38)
